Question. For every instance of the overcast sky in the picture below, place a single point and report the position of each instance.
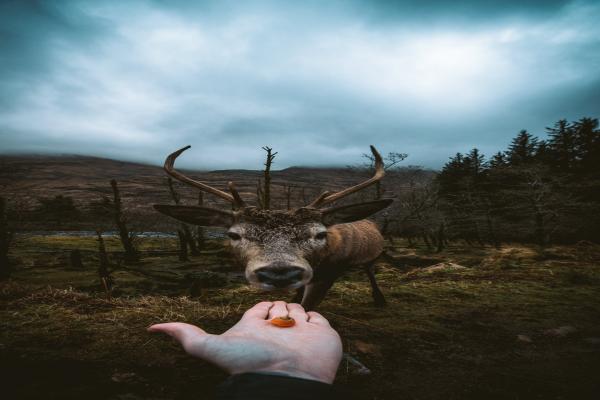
(316, 80)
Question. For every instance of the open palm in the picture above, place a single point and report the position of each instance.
(310, 349)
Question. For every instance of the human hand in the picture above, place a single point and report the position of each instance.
(311, 349)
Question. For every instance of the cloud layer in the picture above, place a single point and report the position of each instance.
(319, 83)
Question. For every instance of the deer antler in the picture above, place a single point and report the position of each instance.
(328, 197)
(233, 198)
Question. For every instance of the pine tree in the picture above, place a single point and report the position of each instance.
(523, 148)
(561, 146)
(474, 163)
(587, 142)
(498, 160)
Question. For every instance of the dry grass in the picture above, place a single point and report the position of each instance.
(449, 334)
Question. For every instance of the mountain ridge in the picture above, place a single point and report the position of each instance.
(24, 179)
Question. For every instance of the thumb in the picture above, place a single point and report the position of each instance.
(189, 336)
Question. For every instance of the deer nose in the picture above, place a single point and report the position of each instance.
(279, 276)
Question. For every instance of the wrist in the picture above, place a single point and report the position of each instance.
(295, 373)
(255, 385)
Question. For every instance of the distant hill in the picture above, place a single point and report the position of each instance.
(26, 178)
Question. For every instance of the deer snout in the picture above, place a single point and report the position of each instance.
(280, 276)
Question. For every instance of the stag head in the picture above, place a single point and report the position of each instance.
(279, 248)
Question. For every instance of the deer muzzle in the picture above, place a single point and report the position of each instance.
(281, 276)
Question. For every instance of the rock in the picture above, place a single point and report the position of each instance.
(561, 331)
(524, 339)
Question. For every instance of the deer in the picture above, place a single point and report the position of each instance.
(307, 248)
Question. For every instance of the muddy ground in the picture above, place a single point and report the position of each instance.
(517, 322)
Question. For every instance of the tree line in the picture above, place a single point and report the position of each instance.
(537, 190)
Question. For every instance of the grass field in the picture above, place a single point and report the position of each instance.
(517, 322)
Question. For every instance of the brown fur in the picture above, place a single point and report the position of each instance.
(355, 243)
(348, 245)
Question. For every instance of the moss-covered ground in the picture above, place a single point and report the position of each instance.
(517, 322)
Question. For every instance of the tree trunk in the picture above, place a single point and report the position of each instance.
(441, 237)
(189, 238)
(540, 229)
(6, 236)
(260, 197)
(103, 268)
(303, 196)
(266, 203)
(492, 230)
(184, 227)
(131, 253)
(199, 229)
(183, 249)
(385, 226)
(426, 240)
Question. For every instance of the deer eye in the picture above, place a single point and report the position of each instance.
(321, 235)
(234, 236)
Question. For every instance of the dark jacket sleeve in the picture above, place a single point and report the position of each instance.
(256, 386)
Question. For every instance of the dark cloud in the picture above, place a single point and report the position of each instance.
(319, 81)
(459, 9)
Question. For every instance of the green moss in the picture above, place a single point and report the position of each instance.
(90, 243)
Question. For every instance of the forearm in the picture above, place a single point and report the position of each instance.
(261, 386)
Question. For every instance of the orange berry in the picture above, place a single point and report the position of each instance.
(283, 322)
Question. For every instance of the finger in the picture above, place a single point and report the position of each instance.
(189, 336)
(297, 312)
(259, 311)
(316, 318)
(279, 309)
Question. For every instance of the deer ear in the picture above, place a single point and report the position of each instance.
(353, 212)
(198, 215)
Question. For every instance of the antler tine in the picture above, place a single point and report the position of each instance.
(238, 199)
(327, 197)
(169, 168)
(319, 199)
